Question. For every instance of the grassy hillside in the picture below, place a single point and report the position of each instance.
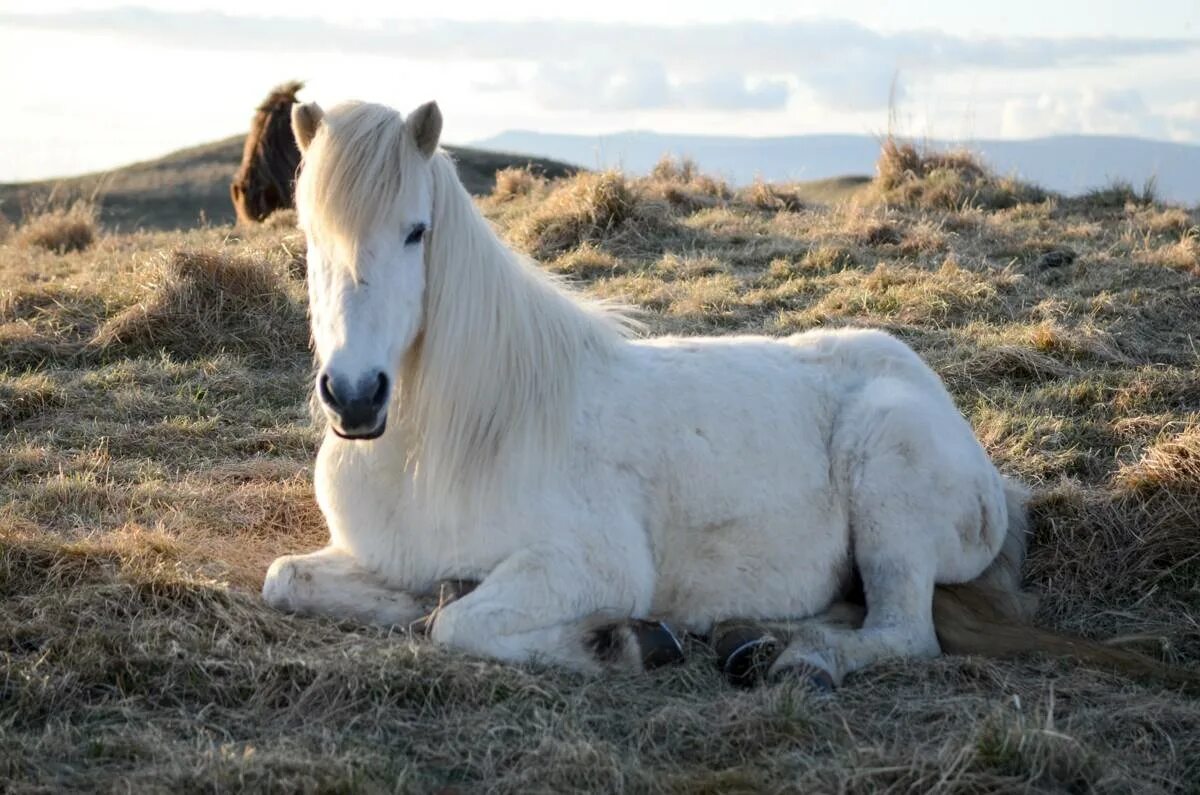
(156, 450)
(191, 186)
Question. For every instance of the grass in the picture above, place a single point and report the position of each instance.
(157, 449)
(948, 180)
(60, 229)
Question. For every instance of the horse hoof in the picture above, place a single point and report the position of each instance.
(816, 678)
(744, 653)
(658, 643)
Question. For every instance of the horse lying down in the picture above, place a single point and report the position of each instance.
(485, 423)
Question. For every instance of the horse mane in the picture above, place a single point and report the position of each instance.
(270, 157)
(490, 389)
(487, 392)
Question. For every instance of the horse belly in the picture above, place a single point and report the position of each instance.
(765, 541)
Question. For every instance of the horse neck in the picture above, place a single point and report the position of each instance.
(489, 390)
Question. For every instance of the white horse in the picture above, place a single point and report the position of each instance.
(486, 423)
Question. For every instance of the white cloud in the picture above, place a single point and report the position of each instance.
(646, 85)
(1089, 111)
(735, 65)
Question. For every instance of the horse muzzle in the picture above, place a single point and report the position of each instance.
(358, 410)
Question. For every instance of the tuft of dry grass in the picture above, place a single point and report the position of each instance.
(681, 184)
(674, 169)
(945, 180)
(585, 262)
(512, 182)
(1169, 464)
(62, 229)
(1119, 194)
(205, 301)
(605, 209)
(770, 197)
(284, 218)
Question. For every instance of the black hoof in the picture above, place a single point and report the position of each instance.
(817, 679)
(658, 643)
(745, 653)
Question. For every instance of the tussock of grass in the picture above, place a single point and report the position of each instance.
(583, 209)
(1182, 255)
(586, 262)
(945, 180)
(1172, 463)
(881, 233)
(1167, 221)
(513, 182)
(675, 169)
(285, 218)
(681, 184)
(26, 396)
(1119, 194)
(771, 197)
(207, 301)
(60, 230)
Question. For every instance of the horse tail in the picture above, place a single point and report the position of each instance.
(991, 617)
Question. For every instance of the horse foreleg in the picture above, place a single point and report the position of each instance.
(331, 583)
(546, 605)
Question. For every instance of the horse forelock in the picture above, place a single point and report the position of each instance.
(351, 175)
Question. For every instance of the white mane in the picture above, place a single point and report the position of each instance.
(491, 384)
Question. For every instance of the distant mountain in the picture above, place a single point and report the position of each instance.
(184, 188)
(1067, 164)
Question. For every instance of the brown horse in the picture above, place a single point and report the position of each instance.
(266, 180)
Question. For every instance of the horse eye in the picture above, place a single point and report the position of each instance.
(415, 235)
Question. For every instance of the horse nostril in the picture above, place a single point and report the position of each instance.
(325, 391)
(381, 391)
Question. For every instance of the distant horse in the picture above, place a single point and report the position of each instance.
(264, 182)
(485, 423)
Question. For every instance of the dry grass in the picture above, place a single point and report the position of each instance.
(156, 453)
(583, 209)
(513, 181)
(61, 229)
(945, 180)
(771, 197)
(208, 301)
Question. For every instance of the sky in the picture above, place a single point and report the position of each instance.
(91, 85)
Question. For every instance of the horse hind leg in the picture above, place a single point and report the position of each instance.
(927, 507)
(898, 623)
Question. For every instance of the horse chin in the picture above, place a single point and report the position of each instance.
(360, 437)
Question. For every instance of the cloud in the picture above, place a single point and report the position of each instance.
(1091, 111)
(646, 85)
(729, 66)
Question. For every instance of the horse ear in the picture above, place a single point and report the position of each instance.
(305, 120)
(426, 125)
